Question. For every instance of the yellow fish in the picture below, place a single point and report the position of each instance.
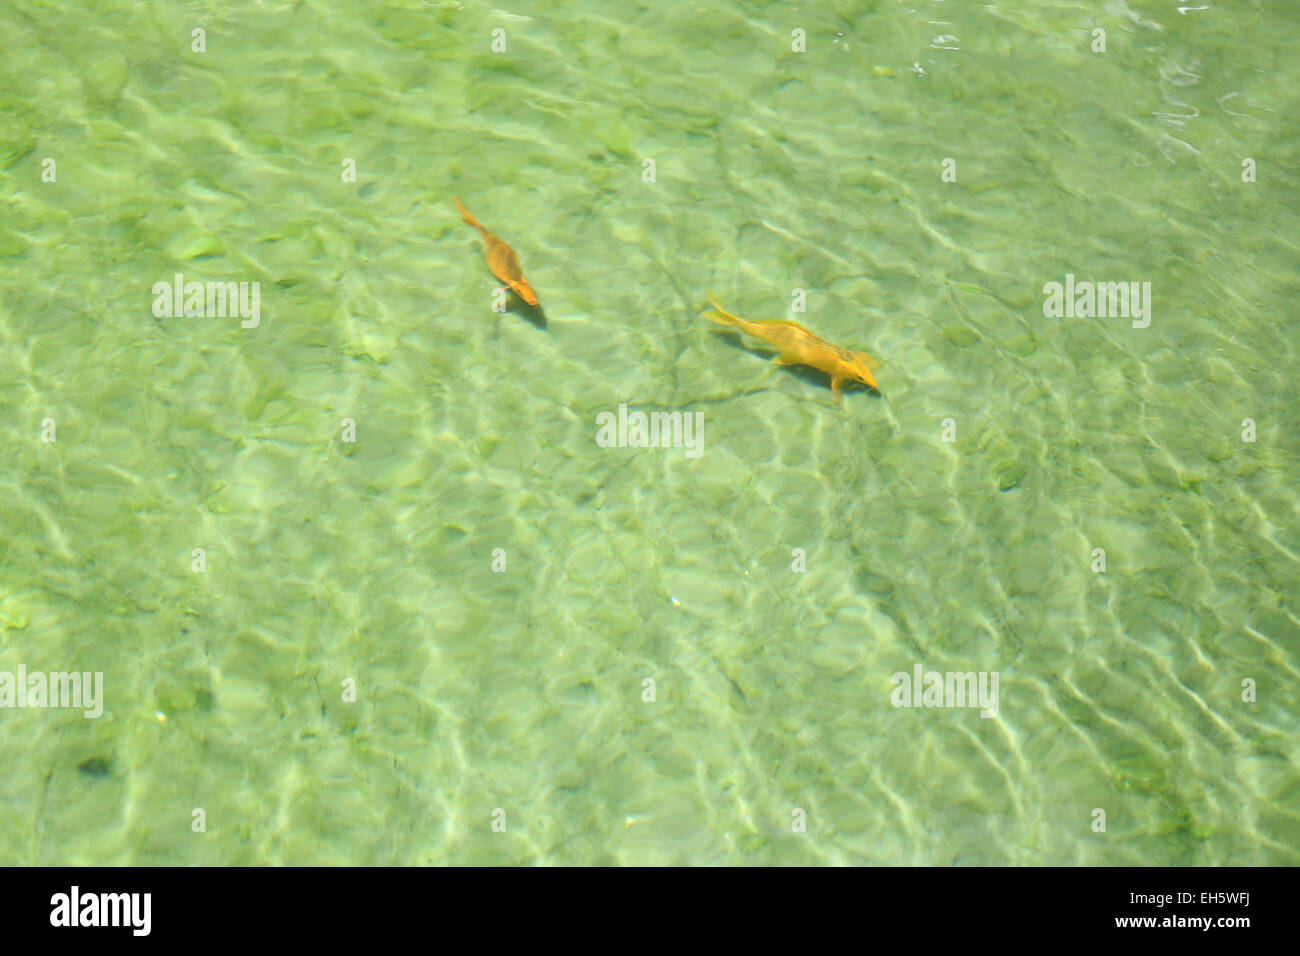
(501, 259)
(795, 345)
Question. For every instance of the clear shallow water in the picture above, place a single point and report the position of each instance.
(522, 690)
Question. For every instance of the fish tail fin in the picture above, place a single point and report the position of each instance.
(465, 213)
(719, 314)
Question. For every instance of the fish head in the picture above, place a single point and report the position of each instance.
(862, 366)
(526, 291)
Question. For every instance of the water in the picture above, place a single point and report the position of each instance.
(336, 567)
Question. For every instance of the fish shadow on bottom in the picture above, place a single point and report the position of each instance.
(533, 313)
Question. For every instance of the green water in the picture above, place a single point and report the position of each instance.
(369, 563)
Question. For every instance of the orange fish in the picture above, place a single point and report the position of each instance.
(795, 345)
(501, 259)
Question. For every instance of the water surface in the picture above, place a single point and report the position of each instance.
(371, 562)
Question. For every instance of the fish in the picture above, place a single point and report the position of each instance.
(501, 259)
(795, 345)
